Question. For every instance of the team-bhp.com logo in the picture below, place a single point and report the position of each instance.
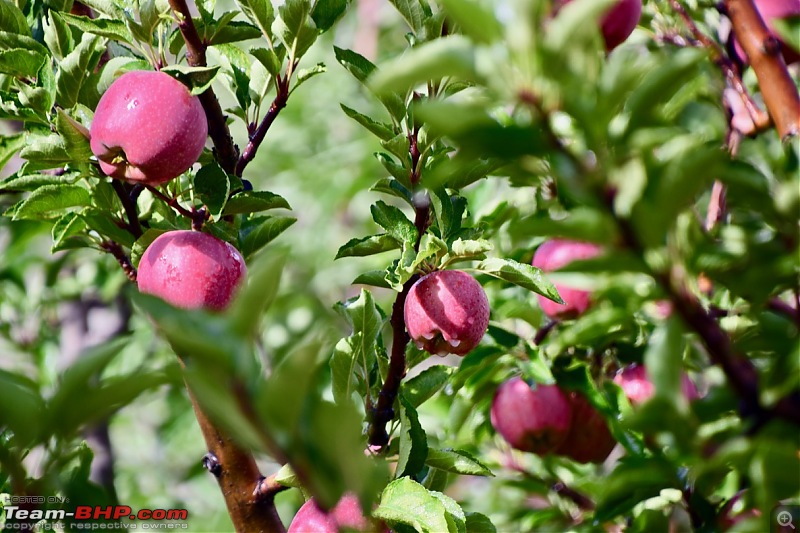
(26, 512)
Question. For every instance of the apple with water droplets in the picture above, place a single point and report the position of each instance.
(446, 312)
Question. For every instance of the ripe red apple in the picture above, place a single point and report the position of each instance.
(638, 388)
(190, 269)
(447, 312)
(531, 419)
(553, 255)
(346, 514)
(589, 440)
(772, 10)
(148, 128)
(619, 22)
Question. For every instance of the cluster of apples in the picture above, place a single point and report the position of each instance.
(148, 128)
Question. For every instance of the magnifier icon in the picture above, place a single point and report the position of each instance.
(785, 519)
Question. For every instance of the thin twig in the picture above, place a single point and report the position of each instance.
(257, 137)
(122, 258)
(226, 151)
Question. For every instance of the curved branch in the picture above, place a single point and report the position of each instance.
(226, 151)
(763, 51)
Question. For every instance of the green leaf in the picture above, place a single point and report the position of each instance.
(9, 146)
(30, 182)
(263, 282)
(392, 187)
(260, 13)
(394, 222)
(424, 385)
(21, 405)
(327, 12)
(287, 477)
(305, 74)
(526, 276)
(253, 201)
(631, 482)
(379, 129)
(102, 223)
(451, 56)
(11, 41)
(45, 149)
(114, 29)
(663, 360)
(404, 501)
(479, 523)
(456, 461)
(413, 447)
(582, 224)
(211, 186)
(374, 278)
(12, 19)
(373, 244)
(58, 36)
(44, 200)
(198, 79)
(75, 135)
(456, 521)
(294, 26)
(258, 232)
(72, 71)
(233, 32)
(414, 12)
(361, 68)
(269, 59)
(21, 63)
(474, 19)
(470, 249)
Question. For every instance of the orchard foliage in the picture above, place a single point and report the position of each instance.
(495, 128)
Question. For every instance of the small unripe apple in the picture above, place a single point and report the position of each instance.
(191, 269)
(770, 11)
(148, 128)
(589, 440)
(619, 22)
(310, 518)
(531, 419)
(553, 255)
(638, 388)
(446, 312)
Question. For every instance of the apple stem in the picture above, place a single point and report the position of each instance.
(780, 94)
(225, 151)
(127, 197)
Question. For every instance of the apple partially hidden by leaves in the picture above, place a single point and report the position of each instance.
(192, 270)
(619, 21)
(638, 388)
(532, 419)
(589, 440)
(446, 312)
(558, 253)
(310, 518)
(148, 128)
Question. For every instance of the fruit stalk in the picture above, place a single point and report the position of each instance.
(226, 152)
(763, 50)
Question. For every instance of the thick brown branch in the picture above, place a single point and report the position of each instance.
(763, 52)
(225, 150)
(239, 480)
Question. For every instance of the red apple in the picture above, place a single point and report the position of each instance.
(447, 312)
(531, 419)
(619, 22)
(638, 388)
(589, 440)
(190, 269)
(148, 128)
(770, 11)
(346, 514)
(553, 255)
